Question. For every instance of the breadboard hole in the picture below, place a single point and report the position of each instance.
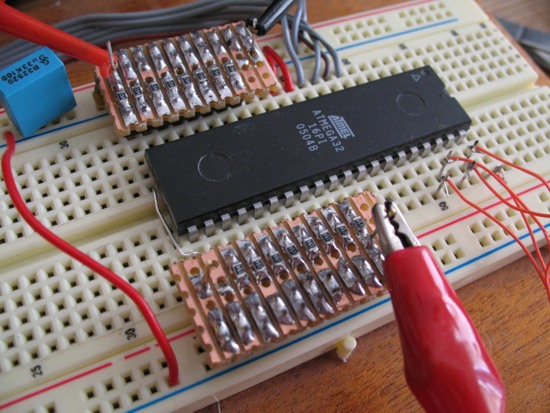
(425, 14)
(447, 250)
(488, 233)
(451, 257)
(97, 181)
(137, 385)
(58, 306)
(519, 132)
(460, 58)
(361, 29)
(47, 408)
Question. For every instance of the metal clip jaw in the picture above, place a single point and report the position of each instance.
(394, 233)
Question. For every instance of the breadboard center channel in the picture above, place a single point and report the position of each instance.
(60, 325)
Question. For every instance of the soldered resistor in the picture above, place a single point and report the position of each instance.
(338, 227)
(261, 317)
(203, 49)
(245, 36)
(354, 220)
(323, 269)
(225, 59)
(234, 76)
(147, 75)
(202, 288)
(293, 254)
(313, 254)
(364, 268)
(126, 65)
(173, 93)
(188, 52)
(125, 108)
(219, 82)
(215, 42)
(327, 278)
(222, 331)
(206, 90)
(132, 80)
(257, 75)
(254, 261)
(251, 298)
(350, 279)
(297, 301)
(278, 265)
(248, 42)
(365, 238)
(222, 55)
(235, 45)
(235, 80)
(334, 254)
(157, 57)
(303, 274)
(240, 322)
(306, 241)
(361, 264)
(183, 77)
(280, 309)
(168, 82)
(236, 267)
(288, 285)
(265, 283)
(323, 235)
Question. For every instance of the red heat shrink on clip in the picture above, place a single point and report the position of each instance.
(446, 364)
(21, 25)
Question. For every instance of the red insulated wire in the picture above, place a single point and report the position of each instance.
(541, 272)
(21, 25)
(269, 51)
(499, 179)
(515, 207)
(520, 203)
(496, 221)
(92, 264)
(513, 165)
(271, 62)
(520, 206)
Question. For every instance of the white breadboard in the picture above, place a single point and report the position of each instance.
(70, 342)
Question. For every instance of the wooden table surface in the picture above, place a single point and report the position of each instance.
(508, 306)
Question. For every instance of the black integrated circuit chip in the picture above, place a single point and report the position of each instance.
(218, 171)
